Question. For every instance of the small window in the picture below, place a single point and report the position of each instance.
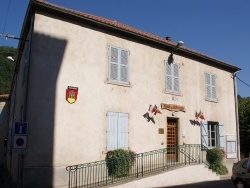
(212, 134)
(172, 77)
(211, 91)
(117, 131)
(118, 65)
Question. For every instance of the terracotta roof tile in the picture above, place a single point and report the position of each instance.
(134, 31)
(109, 22)
(4, 97)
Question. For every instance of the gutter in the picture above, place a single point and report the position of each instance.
(126, 31)
(237, 116)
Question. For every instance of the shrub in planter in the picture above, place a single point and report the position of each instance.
(119, 162)
(215, 157)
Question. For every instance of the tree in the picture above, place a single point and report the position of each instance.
(244, 121)
(6, 68)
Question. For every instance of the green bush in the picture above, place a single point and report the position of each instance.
(221, 169)
(119, 162)
(215, 157)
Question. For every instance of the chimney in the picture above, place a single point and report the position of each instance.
(168, 38)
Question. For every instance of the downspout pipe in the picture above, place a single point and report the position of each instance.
(28, 68)
(237, 115)
(26, 96)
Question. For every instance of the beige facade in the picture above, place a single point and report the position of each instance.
(65, 51)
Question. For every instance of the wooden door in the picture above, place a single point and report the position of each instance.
(172, 140)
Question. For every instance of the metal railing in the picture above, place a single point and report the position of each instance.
(96, 174)
(213, 158)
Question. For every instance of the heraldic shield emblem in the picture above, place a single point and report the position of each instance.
(71, 94)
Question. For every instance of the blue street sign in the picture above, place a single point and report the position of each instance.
(21, 128)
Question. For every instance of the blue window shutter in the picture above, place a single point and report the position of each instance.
(113, 64)
(124, 66)
(211, 91)
(176, 77)
(221, 135)
(118, 65)
(213, 87)
(208, 86)
(123, 131)
(204, 135)
(172, 77)
(112, 131)
(168, 78)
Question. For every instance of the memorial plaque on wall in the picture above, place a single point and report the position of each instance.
(161, 131)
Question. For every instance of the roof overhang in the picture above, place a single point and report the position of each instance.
(118, 29)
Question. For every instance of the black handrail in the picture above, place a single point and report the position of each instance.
(96, 174)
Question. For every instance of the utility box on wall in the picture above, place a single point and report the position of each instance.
(231, 147)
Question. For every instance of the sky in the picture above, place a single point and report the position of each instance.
(217, 28)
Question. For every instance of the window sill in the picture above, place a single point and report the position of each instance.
(117, 83)
(173, 93)
(212, 100)
(211, 147)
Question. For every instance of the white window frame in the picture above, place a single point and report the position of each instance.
(118, 65)
(172, 77)
(117, 131)
(212, 135)
(211, 86)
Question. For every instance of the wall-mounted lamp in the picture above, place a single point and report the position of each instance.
(170, 57)
(179, 44)
(12, 37)
(183, 134)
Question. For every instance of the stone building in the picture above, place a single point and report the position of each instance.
(87, 85)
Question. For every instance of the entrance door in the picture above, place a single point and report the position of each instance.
(172, 140)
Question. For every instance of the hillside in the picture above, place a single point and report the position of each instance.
(7, 67)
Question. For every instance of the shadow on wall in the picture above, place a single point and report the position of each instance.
(46, 58)
(4, 109)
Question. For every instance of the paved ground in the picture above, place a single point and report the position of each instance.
(5, 180)
(226, 183)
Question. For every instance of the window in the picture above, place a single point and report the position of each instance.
(172, 77)
(118, 65)
(117, 131)
(211, 93)
(212, 134)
